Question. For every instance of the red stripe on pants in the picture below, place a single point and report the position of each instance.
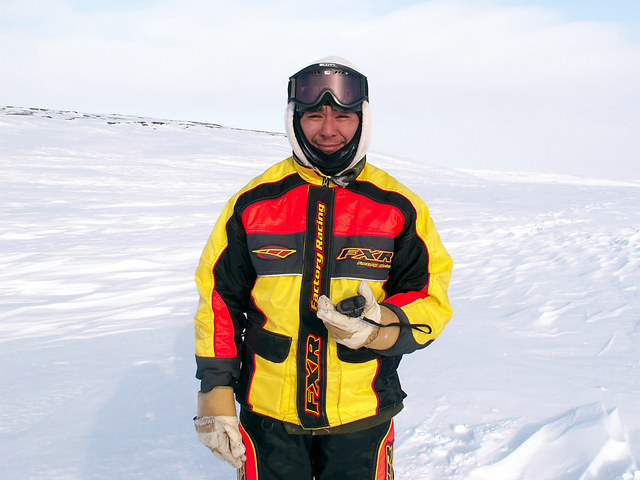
(385, 456)
(249, 470)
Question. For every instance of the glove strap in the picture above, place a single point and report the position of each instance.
(202, 421)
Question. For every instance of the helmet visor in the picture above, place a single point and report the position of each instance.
(348, 87)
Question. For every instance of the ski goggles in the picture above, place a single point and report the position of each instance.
(348, 87)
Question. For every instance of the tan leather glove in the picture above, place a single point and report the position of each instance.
(217, 425)
(352, 332)
(222, 436)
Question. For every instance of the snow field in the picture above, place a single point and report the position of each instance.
(102, 223)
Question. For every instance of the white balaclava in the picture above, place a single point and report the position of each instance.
(354, 158)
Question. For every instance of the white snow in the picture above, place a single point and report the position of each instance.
(102, 223)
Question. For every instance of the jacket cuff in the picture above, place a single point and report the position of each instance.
(405, 343)
(217, 372)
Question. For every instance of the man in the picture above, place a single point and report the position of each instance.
(317, 388)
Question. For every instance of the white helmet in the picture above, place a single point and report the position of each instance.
(334, 81)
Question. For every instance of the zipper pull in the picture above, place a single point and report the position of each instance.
(325, 181)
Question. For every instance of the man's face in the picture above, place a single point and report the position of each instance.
(328, 129)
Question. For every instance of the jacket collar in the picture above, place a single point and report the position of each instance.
(309, 175)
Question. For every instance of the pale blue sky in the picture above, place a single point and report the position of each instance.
(536, 85)
(602, 10)
(624, 11)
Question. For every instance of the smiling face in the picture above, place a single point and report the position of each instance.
(329, 129)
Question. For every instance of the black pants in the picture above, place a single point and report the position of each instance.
(275, 454)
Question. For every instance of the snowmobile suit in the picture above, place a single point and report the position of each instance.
(280, 243)
(274, 454)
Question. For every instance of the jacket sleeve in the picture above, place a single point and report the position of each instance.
(418, 282)
(224, 278)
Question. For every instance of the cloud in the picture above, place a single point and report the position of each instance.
(458, 83)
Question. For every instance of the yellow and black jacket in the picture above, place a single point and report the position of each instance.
(281, 242)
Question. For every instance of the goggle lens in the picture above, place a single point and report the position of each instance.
(348, 87)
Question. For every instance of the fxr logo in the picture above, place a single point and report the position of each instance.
(273, 252)
(389, 461)
(312, 379)
(355, 253)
